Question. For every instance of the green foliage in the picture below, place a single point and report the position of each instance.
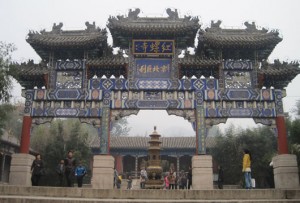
(55, 140)
(293, 128)
(5, 80)
(228, 152)
(13, 121)
(5, 110)
(294, 131)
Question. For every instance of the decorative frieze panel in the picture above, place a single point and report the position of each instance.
(159, 104)
(279, 94)
(109, 84)
(186, 114)
(70, 65)
(29, 96)
(96, 122)
(66, 112)
(240, 113)
(237, 65)
(120, 113)
(153, 84)
(200, 130)
(265, 121)
(67, 94)
(41, 120)
(238, 74)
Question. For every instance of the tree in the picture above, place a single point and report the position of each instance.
(5, 82)
(293, 128)
(13, 121)
(5, 79)
(5, 110)
(228, 152)
(54, 140)
(120, 128)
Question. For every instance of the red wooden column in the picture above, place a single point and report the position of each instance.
(119, 163)
(282, 137)
(25, 137)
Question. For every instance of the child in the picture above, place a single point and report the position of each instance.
(80, 172)
(129, 183)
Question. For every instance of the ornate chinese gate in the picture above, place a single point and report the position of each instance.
(227, 77)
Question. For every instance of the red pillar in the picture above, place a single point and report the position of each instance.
(119, 163)
(282, 138)
(25, 137)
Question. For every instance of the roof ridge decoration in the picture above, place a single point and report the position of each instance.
(126, 28)
(133, 16)
(57, 30)
(250, 28)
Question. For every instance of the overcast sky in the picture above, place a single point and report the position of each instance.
(17, 17)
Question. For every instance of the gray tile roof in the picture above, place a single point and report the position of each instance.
(142, 142)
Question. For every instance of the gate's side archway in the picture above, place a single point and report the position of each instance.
(228, 77)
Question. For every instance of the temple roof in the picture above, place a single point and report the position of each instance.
(89, 39)
(230, 40)
(277, 74)
(113, 60)
(30, 74)
(193, 60)
(124, 29)
(142, 142)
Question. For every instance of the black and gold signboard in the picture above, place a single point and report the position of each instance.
(153, 47)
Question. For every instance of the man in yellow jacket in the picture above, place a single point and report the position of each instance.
(247, 168)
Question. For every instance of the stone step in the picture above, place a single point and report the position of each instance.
(145, 195)
(36, 199)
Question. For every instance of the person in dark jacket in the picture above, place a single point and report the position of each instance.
(220, 177)
(70, 164)
(37, 169)
(80, 172)
(60, 170)
(190, 177)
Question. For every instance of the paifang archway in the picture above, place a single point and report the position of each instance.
(227, 77)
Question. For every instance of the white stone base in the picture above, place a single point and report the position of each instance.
(20, 169)
(202, 172)
(103, 172)
(285, 171)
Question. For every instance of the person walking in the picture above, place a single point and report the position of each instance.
(70, 163)
(166, 179)
(182, 180)
(60, 170)
(172, 180)
(143, 178)
(80, 172)
(37, 169)
(129, 183)
(116, 176)
(189, 176)
(247, 168)
(220, 177)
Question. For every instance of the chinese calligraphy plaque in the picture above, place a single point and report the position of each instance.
(153, 47)
(153, 68)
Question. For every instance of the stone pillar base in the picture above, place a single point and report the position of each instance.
(103, 172)
(20, 169)
(202, 172)
(285, 171)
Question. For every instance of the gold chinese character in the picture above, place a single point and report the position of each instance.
(165, 68)
(143, 69)
(149, 69)
(156, 68)
(145, 46)
(154, 47)
(165, 47)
